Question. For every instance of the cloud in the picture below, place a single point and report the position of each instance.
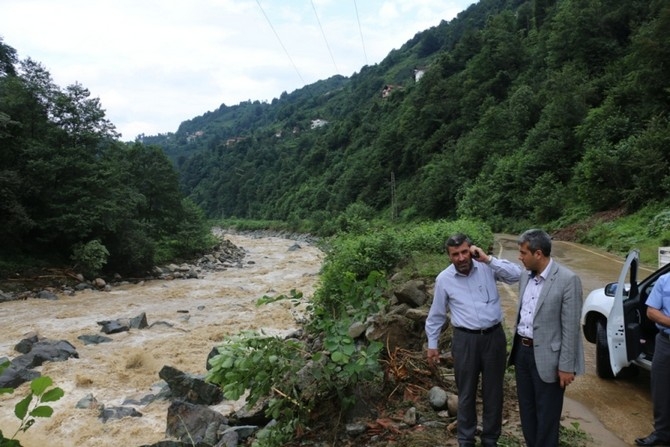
(154, 64)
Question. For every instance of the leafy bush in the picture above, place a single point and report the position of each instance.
(660, 224)
(279, 369)
(364, 253)
(356, 218)
(295, 380)
(193, 234)
(249, 361)
(431, 236)
(31, 406)
(90, 257)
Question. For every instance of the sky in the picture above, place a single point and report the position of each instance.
(156, 63)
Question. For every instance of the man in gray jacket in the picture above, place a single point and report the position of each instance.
(547, 352)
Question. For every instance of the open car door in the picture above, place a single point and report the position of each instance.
(616, 324)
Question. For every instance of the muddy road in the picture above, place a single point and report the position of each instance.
(623, 406)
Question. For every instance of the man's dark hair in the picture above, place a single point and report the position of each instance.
(456, 240)
(536, 240)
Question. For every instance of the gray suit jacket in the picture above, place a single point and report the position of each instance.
(557, 339)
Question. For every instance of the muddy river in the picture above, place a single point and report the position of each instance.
(195, 314)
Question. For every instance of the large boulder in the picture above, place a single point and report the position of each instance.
(195, 423)
(190, 388)
(35, 352)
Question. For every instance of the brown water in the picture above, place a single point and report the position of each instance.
(199, 313)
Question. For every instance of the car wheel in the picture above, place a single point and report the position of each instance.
(603, 365)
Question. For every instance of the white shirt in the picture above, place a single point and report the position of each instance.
(529, 302)
(473, 299)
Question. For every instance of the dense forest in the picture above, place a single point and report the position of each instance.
(519, 113)
(72, 194)
(528, 112)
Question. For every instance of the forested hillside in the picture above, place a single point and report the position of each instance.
(537, 112)
(71, 194)
(528, 112)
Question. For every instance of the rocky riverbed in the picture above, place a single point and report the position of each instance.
(195, 314)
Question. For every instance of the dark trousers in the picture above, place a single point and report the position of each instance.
(476, 354)
(660, 387)
(540, 403)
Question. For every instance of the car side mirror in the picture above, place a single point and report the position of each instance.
(610, 289)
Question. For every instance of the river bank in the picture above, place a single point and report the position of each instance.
(196, 315)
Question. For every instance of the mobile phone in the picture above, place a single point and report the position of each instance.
(475, 254)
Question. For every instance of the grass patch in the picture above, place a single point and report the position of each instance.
(252, 225)
(424, 265)
(646, 230)
(573, 436)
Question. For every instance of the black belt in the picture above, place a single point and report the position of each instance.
(525, 341)
(665, 335)
(478, 331)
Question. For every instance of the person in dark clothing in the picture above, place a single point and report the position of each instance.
(658, 311)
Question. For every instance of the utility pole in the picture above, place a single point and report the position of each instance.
(394, 210)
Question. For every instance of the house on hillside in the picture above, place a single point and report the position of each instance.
(318, 123)
(235, 140)
(194, 135)
(388, 88)
(418, 73)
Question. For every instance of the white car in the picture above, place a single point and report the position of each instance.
(615, 319)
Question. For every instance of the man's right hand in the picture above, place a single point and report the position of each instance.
(479, 255)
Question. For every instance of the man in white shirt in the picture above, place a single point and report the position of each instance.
(479, 346)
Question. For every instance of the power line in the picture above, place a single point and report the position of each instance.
(360, 30)
(280, 42)
(324, 37)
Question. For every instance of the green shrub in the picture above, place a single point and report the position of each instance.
(193, 234)
(356, 218)
(31, 406)
(431, 236)
(659, 225)
(278, 369)
(90, 257)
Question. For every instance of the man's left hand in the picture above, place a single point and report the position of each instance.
(565, 378)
